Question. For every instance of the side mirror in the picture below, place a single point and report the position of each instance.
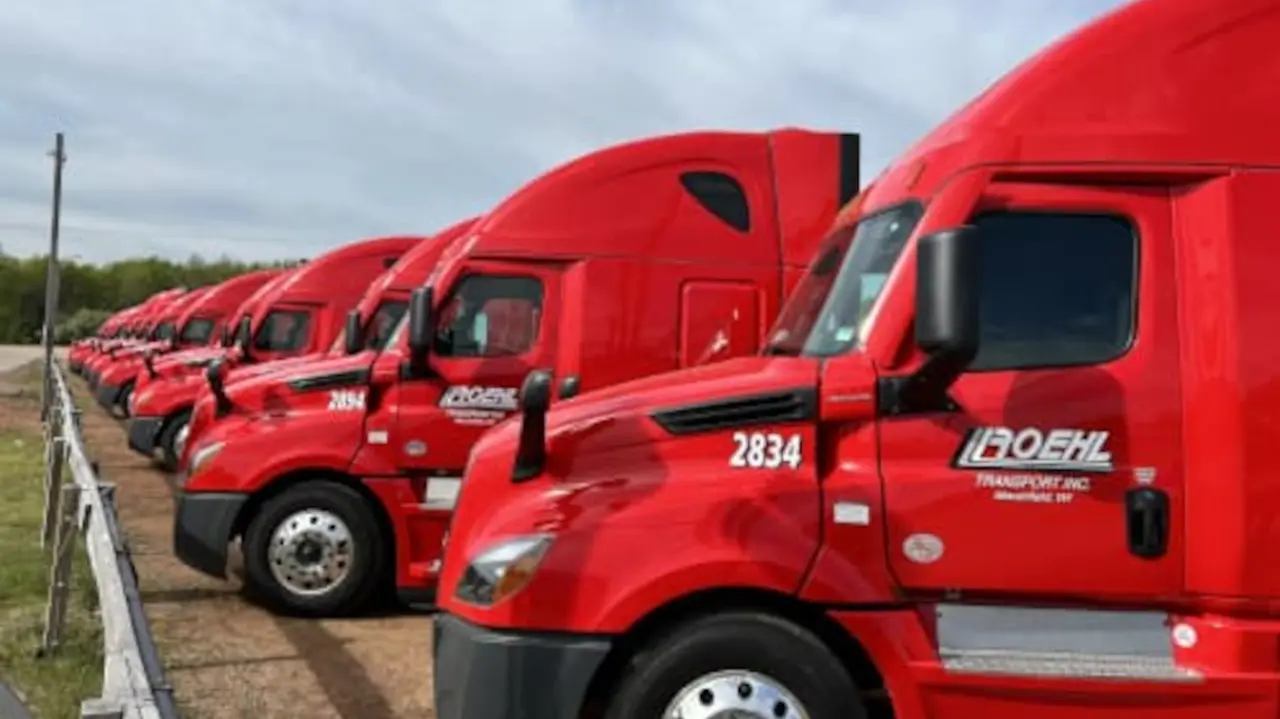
(948, 285)
(421, 325)
(214, 374)
(244, 335)
(535, 400)
(149, 362)
(354, 342)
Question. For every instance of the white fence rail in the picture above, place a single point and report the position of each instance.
(133, 685)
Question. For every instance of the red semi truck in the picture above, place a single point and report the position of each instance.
(117, 331)
(370, 322)
(636, 259)
(140, 327)
(81, 349)
(301, 314)
(114, 380)
(197, 321)
(1006, 453)
(185, 367)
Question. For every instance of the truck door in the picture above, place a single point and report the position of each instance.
(1060, 471)
(496, 325)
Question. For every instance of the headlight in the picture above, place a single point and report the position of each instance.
(502, 570)
(137, 399)
(202, 456)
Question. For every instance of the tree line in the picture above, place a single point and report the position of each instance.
(89, 293)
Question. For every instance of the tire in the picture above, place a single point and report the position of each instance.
(169, 455)
(773, 649)
(122, 404)
(366, 557)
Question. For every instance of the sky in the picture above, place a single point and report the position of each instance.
(268, 129)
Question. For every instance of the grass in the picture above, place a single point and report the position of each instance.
(53, 686)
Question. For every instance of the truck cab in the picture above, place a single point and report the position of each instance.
(197, 323)
(299, 315)
(368, 325)
(115, 380)
(648, 256)
(82, 349)
(1001, 457)
(179, 366)
(141, 326)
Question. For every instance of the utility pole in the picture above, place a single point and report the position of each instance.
(51, 276)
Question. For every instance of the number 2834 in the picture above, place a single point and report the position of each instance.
(766, 450)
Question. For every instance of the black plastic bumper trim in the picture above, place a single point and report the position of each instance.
(143, 432)
(486, 674)
(202, 523)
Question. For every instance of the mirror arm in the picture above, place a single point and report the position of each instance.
(923, 391)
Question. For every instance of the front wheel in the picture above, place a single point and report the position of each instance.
(316, 550)
(173, 438)
(747, 665)
(122, 404)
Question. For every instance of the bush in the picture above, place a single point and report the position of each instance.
(82, 323)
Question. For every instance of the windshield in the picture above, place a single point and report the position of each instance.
(826, 312)
(394, 338)
(382, 326)
(196, 331)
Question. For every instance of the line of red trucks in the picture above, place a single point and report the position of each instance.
(999, 451)
(325, 413)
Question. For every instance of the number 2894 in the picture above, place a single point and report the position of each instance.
(766, 450)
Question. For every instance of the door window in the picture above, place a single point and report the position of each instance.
(196, 331)
(1057, 289)
(283, 331)
(490, 316)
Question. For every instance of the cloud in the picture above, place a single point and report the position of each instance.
(278, 128)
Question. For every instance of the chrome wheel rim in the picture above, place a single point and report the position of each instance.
(310, 552)
(735, 694)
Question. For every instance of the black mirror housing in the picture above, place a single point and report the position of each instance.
(535, 400)
(244, 335)
(948, 286)
(421, 325)
(947, 292)
(214, 374)
(354, 342)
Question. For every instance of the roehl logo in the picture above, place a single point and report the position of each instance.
(1071, 450)
(475, 397)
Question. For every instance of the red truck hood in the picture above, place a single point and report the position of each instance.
(275, 385)
(620, 416)
(243, 372)
(181, 358)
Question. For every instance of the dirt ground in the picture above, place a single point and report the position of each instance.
(228, 658)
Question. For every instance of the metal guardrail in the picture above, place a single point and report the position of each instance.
(133, 685)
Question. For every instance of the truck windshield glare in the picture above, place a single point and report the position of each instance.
(825, 313)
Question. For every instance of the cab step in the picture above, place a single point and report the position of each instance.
(1058, 642)
(1066, 665)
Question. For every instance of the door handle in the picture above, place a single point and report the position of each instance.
(1147, 521)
